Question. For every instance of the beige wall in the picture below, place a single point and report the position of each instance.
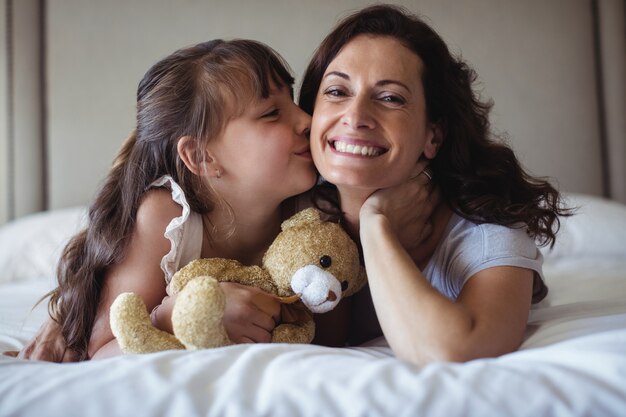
(4, 122)
(613, 51)
(21, 143)
(534, 58)
(28, 149)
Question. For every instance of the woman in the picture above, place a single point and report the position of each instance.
(387, 97)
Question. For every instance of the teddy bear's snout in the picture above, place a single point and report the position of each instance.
(319, 290)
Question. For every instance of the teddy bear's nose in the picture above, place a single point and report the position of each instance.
(331, 296)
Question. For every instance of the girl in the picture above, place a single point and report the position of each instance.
(387, 98)
(218, 147)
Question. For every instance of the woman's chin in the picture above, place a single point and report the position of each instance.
(357, 184)
(350, 178)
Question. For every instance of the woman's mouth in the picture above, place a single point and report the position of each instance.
(358, 149)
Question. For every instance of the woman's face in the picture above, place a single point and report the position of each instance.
(369, 125)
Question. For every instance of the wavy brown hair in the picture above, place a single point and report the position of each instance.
(192, 92)
(479, 176)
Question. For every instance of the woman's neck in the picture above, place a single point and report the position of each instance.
(351, 201)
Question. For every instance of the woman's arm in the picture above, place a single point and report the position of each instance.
(420, 324)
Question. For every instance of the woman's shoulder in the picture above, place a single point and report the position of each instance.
(470, 247)
(490, 239)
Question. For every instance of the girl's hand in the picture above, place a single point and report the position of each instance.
(48, 345)
(250, 314)
(407, 207)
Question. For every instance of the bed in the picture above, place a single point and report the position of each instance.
(572, 361)
(556, 71)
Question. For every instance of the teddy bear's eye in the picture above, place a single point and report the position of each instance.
(326, 261)
(344, 285)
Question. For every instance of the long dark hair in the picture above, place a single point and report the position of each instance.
(192, 92)
(479, 176)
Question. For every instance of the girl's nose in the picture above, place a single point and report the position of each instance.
(303, 121)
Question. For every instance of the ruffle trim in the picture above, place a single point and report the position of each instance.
(174, 230)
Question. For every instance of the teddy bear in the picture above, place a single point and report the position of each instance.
(311, 265)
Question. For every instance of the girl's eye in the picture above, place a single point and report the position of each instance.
(271, 113)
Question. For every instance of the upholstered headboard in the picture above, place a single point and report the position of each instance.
(556, 71)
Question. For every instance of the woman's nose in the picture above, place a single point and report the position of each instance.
(358, 115)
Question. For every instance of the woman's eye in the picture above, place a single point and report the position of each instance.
(334, 92)
(393, 99)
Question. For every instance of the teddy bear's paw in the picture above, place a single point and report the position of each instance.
(133, 329)
(294, 333)
(198, 312)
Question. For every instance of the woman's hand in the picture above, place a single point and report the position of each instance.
(407, 207)
(250, 314)
(47, 345)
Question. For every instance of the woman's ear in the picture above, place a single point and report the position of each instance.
(198, 161)
(434, 140)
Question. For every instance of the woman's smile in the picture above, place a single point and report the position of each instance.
(370, 115)
(355, 147)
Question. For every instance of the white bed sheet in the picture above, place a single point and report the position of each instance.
(572, 363)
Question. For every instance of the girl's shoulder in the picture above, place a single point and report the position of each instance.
(156, 210)
(295, 204)
(306, 200)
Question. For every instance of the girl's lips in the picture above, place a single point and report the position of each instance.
(356, 147)
(306, 153)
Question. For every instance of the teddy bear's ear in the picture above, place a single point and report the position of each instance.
(306, 216)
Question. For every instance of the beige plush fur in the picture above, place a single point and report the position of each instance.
(306, 247)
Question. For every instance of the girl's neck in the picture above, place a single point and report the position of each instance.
(241, 233)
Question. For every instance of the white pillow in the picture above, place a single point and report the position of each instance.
(30, 246)
(598, 229)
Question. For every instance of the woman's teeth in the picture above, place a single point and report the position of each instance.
(350, 148)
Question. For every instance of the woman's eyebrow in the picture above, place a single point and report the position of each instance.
(338, 74)
(378, 83)
(399, 83)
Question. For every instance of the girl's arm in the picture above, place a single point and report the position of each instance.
(250, 314)
(420, 324)
(48, 345)
(140, 271)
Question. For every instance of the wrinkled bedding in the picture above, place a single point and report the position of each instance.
(572, 361)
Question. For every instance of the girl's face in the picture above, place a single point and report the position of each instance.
(369, 125)
(265, 151)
